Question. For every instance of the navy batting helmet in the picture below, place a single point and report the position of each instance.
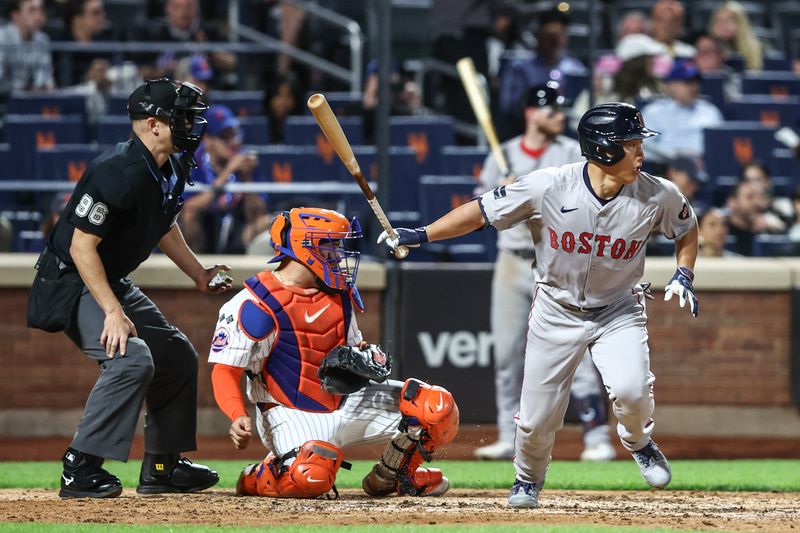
(546, 95)
(604, 127)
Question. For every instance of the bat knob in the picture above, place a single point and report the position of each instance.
(401, 252)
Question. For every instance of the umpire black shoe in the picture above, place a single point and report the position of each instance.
(84, 477)
(165, 473)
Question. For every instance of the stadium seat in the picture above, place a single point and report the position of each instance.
(113, 129)
(712, 87)
(463, 160)
(243, 103)
(403, 179)
(723, 186)
(770, 111)
(426, 136)
(731, 145)
(437, 196)
(280, 163)
(776, 61)
(574, 84)
(5, 162)
(784, 163)
(784, 185)
(304, 130)
(34, 131)
(64, 162)
(255, 130)
(774, 83)
(775, 246)
(118, 104)
(48, 104)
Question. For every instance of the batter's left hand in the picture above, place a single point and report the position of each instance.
(208, 274)
(681, 284)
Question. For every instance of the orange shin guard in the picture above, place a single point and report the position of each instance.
(311, 475)
(431, 407)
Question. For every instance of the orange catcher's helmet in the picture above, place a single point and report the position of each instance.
(315, 238)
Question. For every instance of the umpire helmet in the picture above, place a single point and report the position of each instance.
(602, 129)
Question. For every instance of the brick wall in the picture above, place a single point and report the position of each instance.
(47, 371)
(735, 353)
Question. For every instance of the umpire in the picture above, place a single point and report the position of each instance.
(124, 205)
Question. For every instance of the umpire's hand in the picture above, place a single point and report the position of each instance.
(240, 432)
(117, 327)
(208, 274)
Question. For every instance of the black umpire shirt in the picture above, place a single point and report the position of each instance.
(128, 201)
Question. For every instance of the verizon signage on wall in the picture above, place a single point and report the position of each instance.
(443, 332)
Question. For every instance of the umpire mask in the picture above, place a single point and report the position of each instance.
(180, 105)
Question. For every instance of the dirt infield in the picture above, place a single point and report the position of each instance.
(682, 510)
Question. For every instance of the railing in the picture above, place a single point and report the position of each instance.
(323, 187)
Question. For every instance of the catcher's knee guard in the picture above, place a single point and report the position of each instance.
(435, 414)
(311, 475)
(431, 407)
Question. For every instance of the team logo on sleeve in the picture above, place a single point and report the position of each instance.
(220, 340)
(684, 214)
(499, 192)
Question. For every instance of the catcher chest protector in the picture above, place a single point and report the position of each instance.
(290, 373)
(604, 127)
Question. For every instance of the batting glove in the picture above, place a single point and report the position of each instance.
(412, 238)
(681, 284)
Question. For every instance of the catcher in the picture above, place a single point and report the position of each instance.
(317, 385)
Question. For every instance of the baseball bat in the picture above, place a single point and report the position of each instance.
(469, 78)
(333, 132)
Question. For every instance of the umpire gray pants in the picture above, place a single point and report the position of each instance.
(160, 366)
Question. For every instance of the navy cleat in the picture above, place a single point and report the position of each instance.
(653, 465)
(524, 494)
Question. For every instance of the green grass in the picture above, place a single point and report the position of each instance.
(101, 528)
(737, 475)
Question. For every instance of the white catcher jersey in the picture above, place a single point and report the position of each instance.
(560, 151)
(231, 346)
(588, 254)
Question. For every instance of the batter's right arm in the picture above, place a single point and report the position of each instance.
(464, 219)
(117, 327)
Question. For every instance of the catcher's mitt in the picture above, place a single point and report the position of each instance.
(347, 369)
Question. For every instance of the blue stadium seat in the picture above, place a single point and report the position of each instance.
(775, 246)
(33, 131)
(255, 130)
(50, 104)
(243, 103)
(463, 160)
(784, 163)
(426, 136)
(575, 84)
(440, 194)
(712, 86)
(774, 83)
(305, 131)
(5, 162)
(770, 111)
(118, 104)
(723, 186)
(113, 129)
(731, 145)
(65, 162)
(282, 163)
(784, 185)
(403, 179)
(776, 61)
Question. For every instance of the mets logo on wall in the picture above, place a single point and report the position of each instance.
(220, 340)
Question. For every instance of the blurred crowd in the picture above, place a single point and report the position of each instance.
(647, 55)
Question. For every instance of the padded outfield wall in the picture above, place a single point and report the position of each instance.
(728, 372)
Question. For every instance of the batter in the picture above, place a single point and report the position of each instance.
(590, 223)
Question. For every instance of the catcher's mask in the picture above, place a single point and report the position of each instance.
(178, 104)
(315, 238)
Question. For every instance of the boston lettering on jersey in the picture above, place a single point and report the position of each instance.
(603, 245)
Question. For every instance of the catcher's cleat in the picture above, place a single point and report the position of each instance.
(382, 482)
(524, 494)
(653, 465)
(84, 477)
(167, 473)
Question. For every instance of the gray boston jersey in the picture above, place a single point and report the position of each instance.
(588, 254)
(562, 150)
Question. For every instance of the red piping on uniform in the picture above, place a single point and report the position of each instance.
(534, 153)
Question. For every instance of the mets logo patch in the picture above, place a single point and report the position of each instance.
(684, 214)
(220, 340)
